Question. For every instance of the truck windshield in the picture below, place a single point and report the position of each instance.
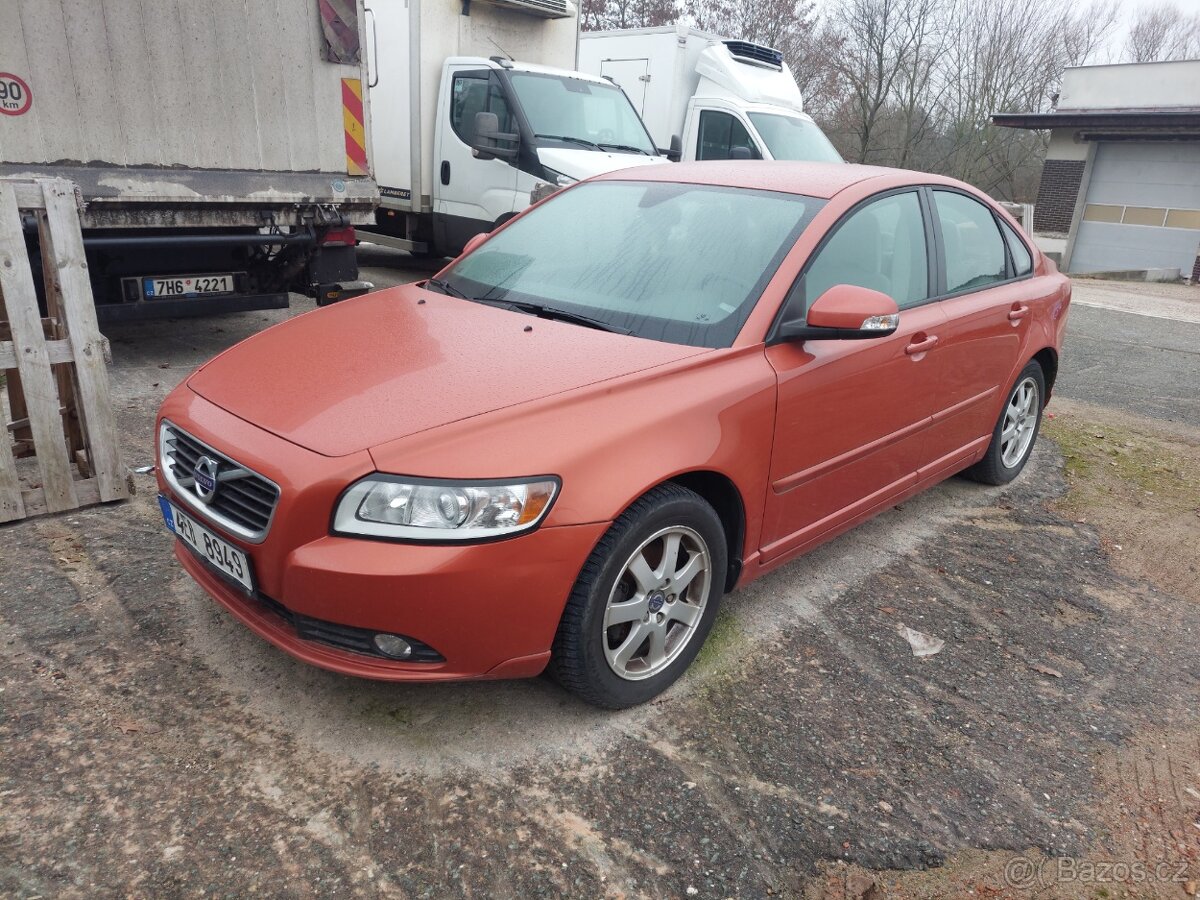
(581, 113)
(790, 137)
(681, 263)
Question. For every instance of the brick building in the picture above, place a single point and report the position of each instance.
(1122, 173)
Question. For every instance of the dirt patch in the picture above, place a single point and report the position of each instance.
(1138, 482)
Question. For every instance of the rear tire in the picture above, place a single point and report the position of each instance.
(644, 602)
(1016, 430)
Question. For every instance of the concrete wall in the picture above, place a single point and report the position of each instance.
(1129, 86)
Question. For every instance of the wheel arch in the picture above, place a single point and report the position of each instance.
(720, 492)
(1047, 358)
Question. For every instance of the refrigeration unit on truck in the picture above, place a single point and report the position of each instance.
(475, 105)
(708, 97)
(219, 148)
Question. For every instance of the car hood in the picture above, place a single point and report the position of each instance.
(581, 164)
(384, 366)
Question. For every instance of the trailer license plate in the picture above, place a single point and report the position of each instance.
(220, 554)
(187, 285)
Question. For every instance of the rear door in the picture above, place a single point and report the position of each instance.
(632, 76)
(985, 279)
(852, 414)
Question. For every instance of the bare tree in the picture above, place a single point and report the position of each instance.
(1162, 32)
(601, 15)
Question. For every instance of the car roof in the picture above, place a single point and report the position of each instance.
(812, 179)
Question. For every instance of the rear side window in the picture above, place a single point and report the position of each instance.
(880, 246)
(720, 133)
(974, 248)
(1022, 260)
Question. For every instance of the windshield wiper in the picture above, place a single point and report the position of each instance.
(562, 315)
(549, 312)
(442, 286)
(627, 147)
(569, 140)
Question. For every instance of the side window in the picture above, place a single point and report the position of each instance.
(880, 246)
(719, 134)
(1022, 260)
(974, 248)
(476, 92)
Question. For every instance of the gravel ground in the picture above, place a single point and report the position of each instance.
(152, 747)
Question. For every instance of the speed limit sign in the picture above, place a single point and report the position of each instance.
(15, 96)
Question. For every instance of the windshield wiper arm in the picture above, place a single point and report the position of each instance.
(628, 147)
(569, 139)
(562, 315)
(442, 286)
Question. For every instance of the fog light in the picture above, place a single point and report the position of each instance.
(393, 646)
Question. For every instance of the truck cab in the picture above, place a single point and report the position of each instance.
(474, 107)
(550, 126)
(707, 97)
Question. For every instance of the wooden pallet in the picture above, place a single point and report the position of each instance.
(59, 407)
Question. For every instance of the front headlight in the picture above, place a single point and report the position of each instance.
(418, 509)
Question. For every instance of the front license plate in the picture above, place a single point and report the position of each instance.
(185, 285)
(218, 553)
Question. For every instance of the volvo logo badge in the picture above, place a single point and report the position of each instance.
(205, 475)
(655, 601)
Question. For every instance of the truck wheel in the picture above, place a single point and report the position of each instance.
(644, 602)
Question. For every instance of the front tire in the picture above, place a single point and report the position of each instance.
(644, 602)
(1016, 430)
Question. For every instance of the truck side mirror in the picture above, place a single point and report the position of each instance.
(740, 153)
(676, 152)
(489, 139)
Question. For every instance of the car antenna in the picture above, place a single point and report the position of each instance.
(511, 58)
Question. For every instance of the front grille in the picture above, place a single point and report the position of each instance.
(755, 53)
(243, 502)
(344, 637)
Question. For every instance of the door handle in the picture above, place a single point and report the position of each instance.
(921, 346)
(445, 171)
(1017, 313)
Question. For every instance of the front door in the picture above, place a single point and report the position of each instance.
(469, 194)
(852, 414)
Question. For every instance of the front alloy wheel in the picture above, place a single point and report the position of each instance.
(657, 602)
(644, 602)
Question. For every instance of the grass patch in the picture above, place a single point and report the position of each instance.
(719, 650)
(1105, 452)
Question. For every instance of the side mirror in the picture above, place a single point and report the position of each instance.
(675, 153)
(474, 242)
(845, 312)
(740, 153)
(489, 138)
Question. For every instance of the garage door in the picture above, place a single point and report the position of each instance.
(1143, 209)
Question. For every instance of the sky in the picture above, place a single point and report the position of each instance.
(1129, 13)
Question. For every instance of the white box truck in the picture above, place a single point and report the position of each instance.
(217, 146)
(708, 97)
(474, 106)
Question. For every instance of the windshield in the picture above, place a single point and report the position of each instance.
(680, 263)
(581, 112)
(790, 137)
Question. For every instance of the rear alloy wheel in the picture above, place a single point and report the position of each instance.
(644, 602)
(1016, 430)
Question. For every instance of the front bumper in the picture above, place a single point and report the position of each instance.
(491, 610)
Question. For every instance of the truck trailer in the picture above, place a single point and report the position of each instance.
(475, 105)
(218, 148)
(707, 97)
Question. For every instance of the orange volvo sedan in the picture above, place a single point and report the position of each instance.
(653, 387)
